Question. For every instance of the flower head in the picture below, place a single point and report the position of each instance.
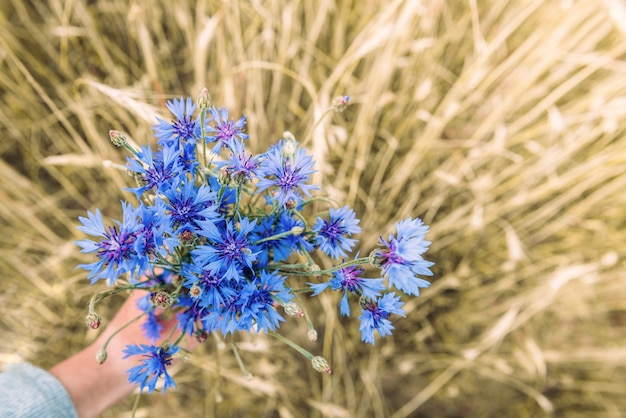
(190, 204)
(184, 129)
(154, 362)
(158, 171)
(348, 280)
(116, 250)
(287, 175)
(226, 131)
(400, 258)
(228, 250)
(375, 316)
(333, 233)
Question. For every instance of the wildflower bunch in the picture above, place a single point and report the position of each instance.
(225, 239)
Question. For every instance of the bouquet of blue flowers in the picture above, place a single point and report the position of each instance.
(225, 240)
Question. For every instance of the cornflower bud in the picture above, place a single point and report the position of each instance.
(321, 365)
(297, 230)
(118, 138)
(101, 356)
(375, 259)
(204, 100)
(195, 291)
(186, 237)
(312, 335)
(201, 335)
(161, 299)
(340, 103)
(292, 309)
(93, 320)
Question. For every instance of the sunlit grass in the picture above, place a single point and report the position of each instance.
(500, 123)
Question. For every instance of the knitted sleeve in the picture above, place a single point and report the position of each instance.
(27, 391)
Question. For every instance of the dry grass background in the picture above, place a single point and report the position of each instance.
(500, 123)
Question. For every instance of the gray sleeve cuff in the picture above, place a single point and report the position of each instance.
(28, 391)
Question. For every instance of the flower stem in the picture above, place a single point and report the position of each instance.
(293, 345)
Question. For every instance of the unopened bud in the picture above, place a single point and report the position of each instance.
(291, 204)
(118, 138)
(375, 258)
(340, 103)
(201, 335)
(93, 320)
(101, 356)
(161, 299)
(195, 291)
(312, 335)
(292, 309)
(204, 100)
(186, 237)
(321, 365)
(297, 230)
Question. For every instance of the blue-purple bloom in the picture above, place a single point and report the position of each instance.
(182, 130)
(151, 326)
(333, 233)
(154, 362)
(116, 250)
(228, 251)
(348, 280)
(400, 259)
(157, 170)
(275, 249)
(241, 167)
(287, 175)
(226, 131)
(375, 316)
(190, 204)
(259, 309)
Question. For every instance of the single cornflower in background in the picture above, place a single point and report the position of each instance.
(332, 234)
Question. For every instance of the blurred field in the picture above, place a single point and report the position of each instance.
(500, 123)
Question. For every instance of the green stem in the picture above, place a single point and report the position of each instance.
(106, 343)
(293, 345)
(240, 361)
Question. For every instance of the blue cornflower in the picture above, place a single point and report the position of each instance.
(348, 280)
(191, 314)
(225, 131)
(153, 365)
(401, 260)
(297, 243)
(116, 251)
(184, 129)
(259, 308)
(227, 317)
(241, 167)
(151, 326)
(277, 249)
(286, 175)
(190, 204)
(228, 250)
(156, 235)
(332, 234)
(158, 171)
(375, 316)
(214, 289)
